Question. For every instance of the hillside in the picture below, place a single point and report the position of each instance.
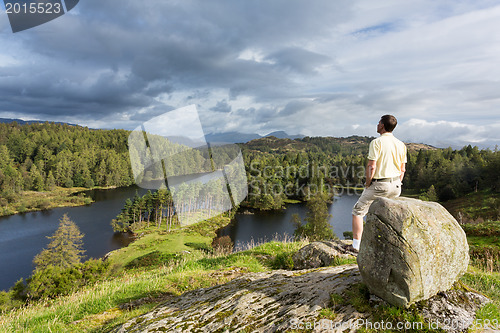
(276, 145)
(180, 270)
(251, 290)
(344, 146)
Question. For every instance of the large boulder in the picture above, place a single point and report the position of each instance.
(321, 254)
(411, 250)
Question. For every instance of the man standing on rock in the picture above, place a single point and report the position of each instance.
(384, 173)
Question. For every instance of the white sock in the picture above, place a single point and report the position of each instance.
(355, 243)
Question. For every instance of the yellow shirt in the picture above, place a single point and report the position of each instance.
(390, 154)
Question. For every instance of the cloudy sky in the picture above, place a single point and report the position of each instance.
(328, 68)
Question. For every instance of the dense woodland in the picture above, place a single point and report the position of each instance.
(39, 157)
(279, 168)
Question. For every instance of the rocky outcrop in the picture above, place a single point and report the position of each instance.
(320, 254)
(411, 250)
(281, 301)
(453, 310)
(257, 302)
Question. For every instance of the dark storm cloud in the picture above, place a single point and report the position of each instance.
(115, 57)
(295, 107)
(299, 60)
(317, 67)
(151, 112)
(222, 106)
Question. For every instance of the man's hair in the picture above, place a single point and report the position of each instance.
(389, 122)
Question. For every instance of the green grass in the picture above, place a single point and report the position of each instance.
(476, 205)
(188, 241)
(484, 245)
(28, 201)
(160, 265)
(484, 229)
(483, 241)
(90, 303)
(358, 295)
(291, 201)
(484, 269)
(173, 243)
(96, 308)
(488, 284)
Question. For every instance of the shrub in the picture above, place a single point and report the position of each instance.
(485, 257)
(43, 204)
(22, 208)
(347, 234)
(7, 303)
(283, 261)
(223, 244)
(489, 228)
(200, 246)
(68, 183)
(317, 217)
(53, 281)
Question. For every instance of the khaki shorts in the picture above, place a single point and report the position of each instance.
(391, 189)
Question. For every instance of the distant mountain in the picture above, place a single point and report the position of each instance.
(346, 146)
(237, 137)
(419, 146)
(284, 135)
(28, 122)
(231, 137)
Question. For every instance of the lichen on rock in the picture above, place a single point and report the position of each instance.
(411, 250)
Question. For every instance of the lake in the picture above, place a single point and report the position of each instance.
(264, 226)
(22, 236)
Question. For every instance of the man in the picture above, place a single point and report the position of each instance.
(384, 173)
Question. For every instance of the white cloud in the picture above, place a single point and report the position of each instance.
(317, 68)
(448, 133)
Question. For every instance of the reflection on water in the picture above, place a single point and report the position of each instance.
(22, 236)
(260, 227)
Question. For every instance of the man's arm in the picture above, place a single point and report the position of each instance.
(370, 171)
(403, 170)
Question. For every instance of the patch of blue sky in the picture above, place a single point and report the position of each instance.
(376, 30)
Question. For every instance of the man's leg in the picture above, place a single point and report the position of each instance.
(359, 211)
(357, 230)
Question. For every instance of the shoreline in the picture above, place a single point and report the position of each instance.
(33, 201)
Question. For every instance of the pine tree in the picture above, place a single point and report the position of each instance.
(317, 218)
(37, 179)
(430, 195)
(65, 248)
(50, 182)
